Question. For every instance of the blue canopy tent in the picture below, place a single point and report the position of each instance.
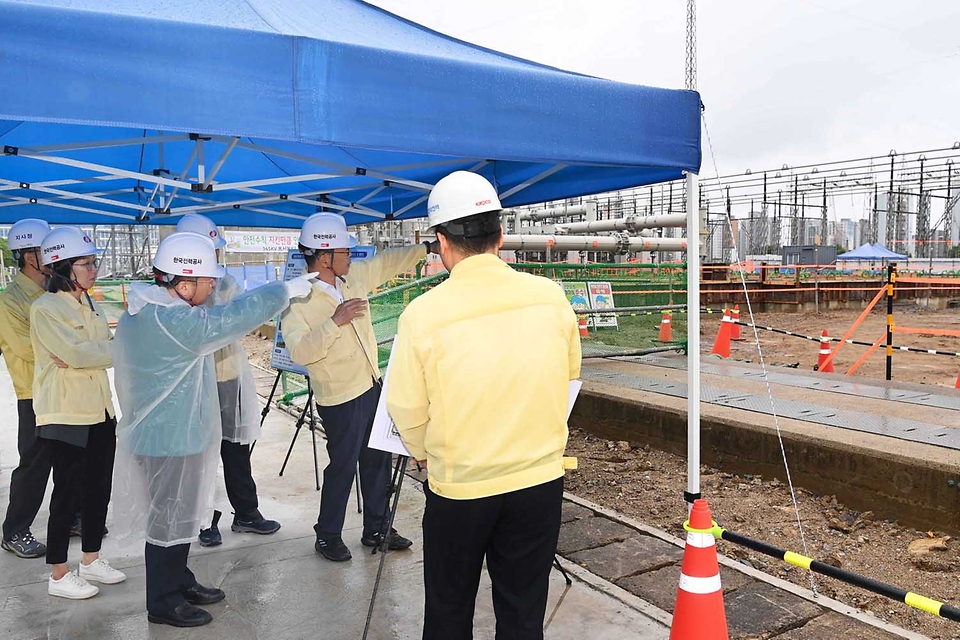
(872, 252)
(258, 112)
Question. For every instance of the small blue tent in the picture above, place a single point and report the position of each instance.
(260, 112)
(871, 252)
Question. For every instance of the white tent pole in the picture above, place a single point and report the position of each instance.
(693, 337)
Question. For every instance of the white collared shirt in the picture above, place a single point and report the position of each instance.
(333, 291)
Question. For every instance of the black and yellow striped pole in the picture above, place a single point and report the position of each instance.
(915, 600)
(891, 279)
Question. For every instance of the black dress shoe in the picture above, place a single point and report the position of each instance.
(184, 615)
(199, 594)
(395, 541)
(333, 549)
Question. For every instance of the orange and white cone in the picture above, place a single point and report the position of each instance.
(666, 327)
(584, 333)
(699, 614)
(735, 329)
(721, 346)
(823, 365)
(957, 386)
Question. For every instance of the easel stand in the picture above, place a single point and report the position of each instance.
(385, 528)
(307, 408)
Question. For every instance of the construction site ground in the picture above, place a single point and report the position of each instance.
(635, 480)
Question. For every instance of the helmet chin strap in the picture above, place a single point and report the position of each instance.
(189, 301)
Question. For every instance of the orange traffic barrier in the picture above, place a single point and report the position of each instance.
(735, 329)
(584, 333)
(721, 346)
(699, 614)
(666, 327)
(824, 361)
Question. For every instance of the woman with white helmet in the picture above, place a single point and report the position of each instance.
(74, 408)
(170, 431)
(239, 408)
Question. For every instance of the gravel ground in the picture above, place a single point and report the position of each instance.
(647, 484)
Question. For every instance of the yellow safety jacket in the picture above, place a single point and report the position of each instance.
(480, 376)
(342, 361)
(77, 334)
(15, 302)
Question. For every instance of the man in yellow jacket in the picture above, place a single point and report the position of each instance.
(29, 480)
(479, 390)
(331, 334)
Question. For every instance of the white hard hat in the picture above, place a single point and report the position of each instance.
(196, 223)
(326, 231)
(27, 234)
(459, 195)
(64, 243)
(189, 255)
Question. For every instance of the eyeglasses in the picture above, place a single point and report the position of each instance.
(90, 264)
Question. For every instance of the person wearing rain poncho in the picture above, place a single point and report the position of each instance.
(169, 436)
(239, 409)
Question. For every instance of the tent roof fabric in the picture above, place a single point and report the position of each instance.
(332, 100)
(870, 251)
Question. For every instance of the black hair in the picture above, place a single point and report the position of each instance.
(311, 256)
(62, 278)
(478, 233)
(159, 279)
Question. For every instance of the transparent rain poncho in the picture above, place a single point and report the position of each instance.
(168, 439)
(239, 405)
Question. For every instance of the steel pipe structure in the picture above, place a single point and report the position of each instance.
(554, 212)
(629, 223)
(617, 243)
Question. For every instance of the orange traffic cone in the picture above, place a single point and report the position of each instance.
(666, 327)
(824, 354)
(699, 614)
(721, 346)
(735, 329)
(957, 386)
(583, 327)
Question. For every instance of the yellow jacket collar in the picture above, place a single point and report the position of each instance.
(29, 287)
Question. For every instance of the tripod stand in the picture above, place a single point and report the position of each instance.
(307, 408)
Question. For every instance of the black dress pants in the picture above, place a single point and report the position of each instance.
(238, 478)
(29, 480)
(167, 577)
(348, 427)
(82, 477)
(517, 533)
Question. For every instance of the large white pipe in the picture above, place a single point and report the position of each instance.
(693, 336)
(629, 223)
(555, 212)
(618, 243)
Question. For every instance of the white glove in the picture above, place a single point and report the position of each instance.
(300, 287)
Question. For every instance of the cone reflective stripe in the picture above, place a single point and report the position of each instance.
(666, 328)
(823, 364)
(721, 346)
(583, 328)
(699, 614)
(735, 329)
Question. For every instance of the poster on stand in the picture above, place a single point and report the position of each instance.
(579, 297)
(601, 297)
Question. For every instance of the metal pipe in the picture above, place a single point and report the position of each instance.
(619, 243)
(693, 340)
(554, 212)
(629, 223)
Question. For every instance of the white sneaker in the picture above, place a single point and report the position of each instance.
(71, 586)
(100, 571)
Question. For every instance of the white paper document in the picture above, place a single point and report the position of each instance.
(385, 437)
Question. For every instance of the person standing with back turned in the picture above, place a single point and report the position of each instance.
(479, 391)
(331, 334)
